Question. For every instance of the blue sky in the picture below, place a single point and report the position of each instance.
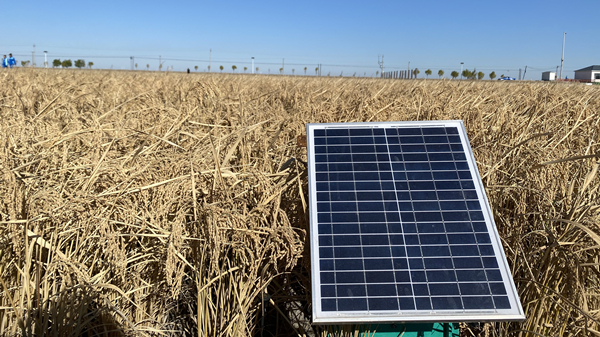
(347, 36)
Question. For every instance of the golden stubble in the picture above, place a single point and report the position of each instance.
(143, 203)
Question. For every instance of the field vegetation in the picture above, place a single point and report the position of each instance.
(154, 204)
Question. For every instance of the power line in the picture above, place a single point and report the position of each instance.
(210, 60)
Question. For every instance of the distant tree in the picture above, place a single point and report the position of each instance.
(67, 64)
(80, 63)
(454, 74)
(377, 73)
(24, 63)
(245, 68)
(160, 67)
(257, 69)
(281, 71)
(221, 67)
(473, 74)
(316, 71)
(492, 75)
(467, 73)
(233, 67)
(480, 75)
(304, 71)
(501, 75)
(196, 68)
(428, 72)
(440, 73)
(147, 66)
(56, 63)
(90, 64)
(209, 69)
(136, 66)
(293, 70)
(416, 72)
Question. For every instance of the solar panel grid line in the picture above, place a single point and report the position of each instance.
(333, 288)
(359, 232)
(451, 256)
(481, 258)
(410, 274)
(473, 174)
(400, 303)
(335, 274)
(434, 288)
(418, 301)
(430, 285)
(448, 241)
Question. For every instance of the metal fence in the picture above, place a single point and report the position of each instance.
(399, 74)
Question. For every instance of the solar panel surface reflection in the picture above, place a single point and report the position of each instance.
(400, 224)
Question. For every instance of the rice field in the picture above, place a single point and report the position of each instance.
(167, 204)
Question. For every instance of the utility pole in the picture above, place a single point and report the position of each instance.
(209, 59)
(563, 55)
(556, 72)
(461, 69)
(519, 74)
(33, 57)
(46, 58)
(159, 63)
(525, 72)
(131, 59)
(380, 65)
(253, 64)
(408, 69)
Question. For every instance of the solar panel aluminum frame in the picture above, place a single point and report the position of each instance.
(516, 312)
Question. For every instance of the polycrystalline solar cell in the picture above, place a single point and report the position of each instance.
(400, 227)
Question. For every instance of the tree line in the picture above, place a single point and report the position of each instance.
(68, 63)
(468, 74)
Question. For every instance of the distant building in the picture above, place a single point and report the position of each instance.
(588, 74)
(548, 76)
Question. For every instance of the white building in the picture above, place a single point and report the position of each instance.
(591, 74)
(548, 76)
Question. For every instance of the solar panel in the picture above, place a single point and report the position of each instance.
(401, 229)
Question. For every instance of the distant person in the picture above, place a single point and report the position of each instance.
(4, 62)
(11, 61)
(188, 70)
